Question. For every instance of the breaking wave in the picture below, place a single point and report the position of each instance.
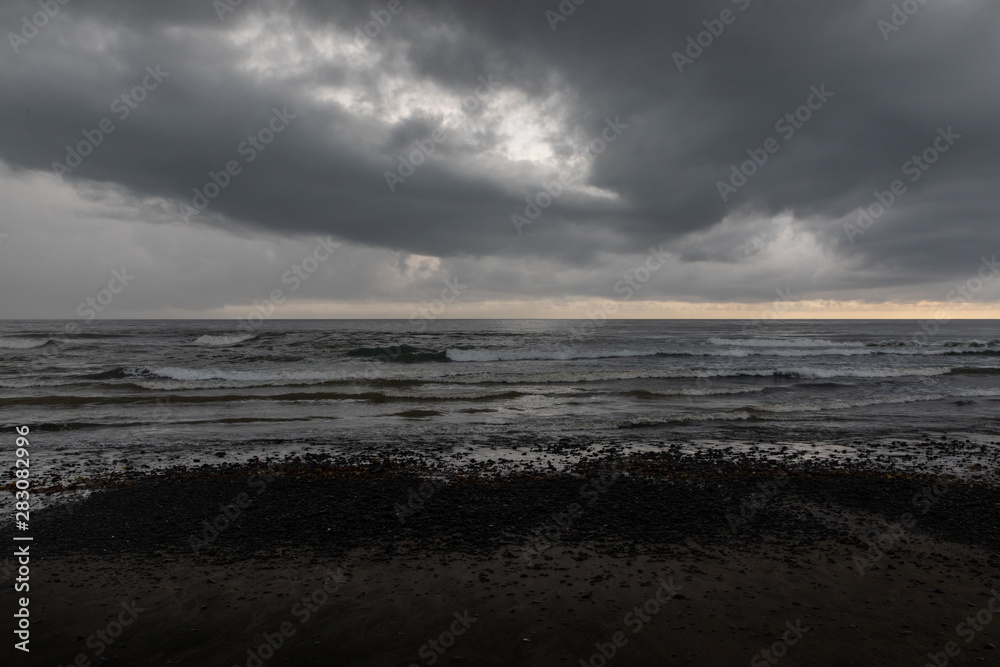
(221, 341)
(24, 343)
(720, 391)
(640, 422)
(782, 342)
(539, 355)
(805, 373)
(846, 404)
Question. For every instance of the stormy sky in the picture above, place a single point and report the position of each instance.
(679, 159)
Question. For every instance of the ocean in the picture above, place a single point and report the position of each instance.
(150, 394)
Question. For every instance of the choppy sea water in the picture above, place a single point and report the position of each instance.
(159, 392)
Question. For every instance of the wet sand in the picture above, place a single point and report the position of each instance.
(656, 560)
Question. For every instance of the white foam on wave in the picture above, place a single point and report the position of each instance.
(854, 347)
(794, 352)
(782, 342)
(807, 373)
(211, 378)
(27, 384)
(181, 385)
(220, 341)
(538, 355)
(735, 415)
(846, 404)
(23, 343)
(823, 373)
(575, 376)
(718, 391)
(836, 352)
(177, 378)
(206, 374)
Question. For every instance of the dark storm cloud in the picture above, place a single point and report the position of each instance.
(325, 171)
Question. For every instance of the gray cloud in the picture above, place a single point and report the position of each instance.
(357, 109)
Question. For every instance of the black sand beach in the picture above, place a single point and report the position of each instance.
(658, 559)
